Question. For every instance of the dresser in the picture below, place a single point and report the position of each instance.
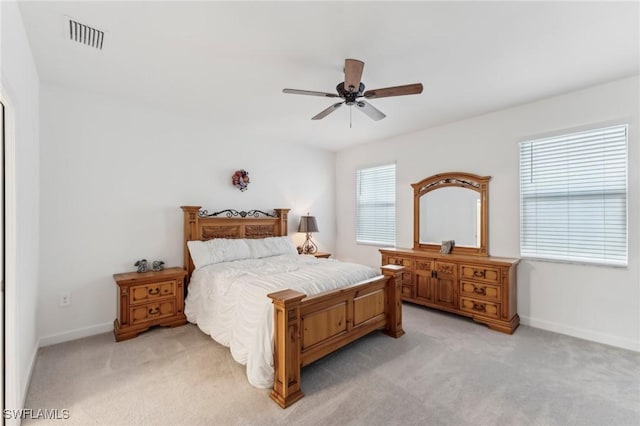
(449, 267)
(480, 287)
(149, 299)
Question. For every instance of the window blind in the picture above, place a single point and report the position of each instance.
(376, 205)
(573, 197)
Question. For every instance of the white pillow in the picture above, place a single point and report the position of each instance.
(200, 254)
(271, 246)
(217, 250)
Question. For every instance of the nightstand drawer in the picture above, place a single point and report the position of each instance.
(148, 292)
(152, 311)
(481, 273)
(480, 290)
(480, 307)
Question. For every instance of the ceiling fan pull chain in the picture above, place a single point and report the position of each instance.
(350, 109)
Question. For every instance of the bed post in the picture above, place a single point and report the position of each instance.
(284, 227)
(190, 233)
(394, 294)
(287, 350)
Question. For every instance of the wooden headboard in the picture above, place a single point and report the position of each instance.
(203, 225)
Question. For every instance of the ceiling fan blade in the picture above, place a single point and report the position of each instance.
(352, 74)
(310, 92)
(327, 111)
(409, 89)
(373, 112)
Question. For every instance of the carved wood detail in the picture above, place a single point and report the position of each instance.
(260, 231)
(210, 232)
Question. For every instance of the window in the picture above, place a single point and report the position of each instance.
(573, 197)
(376, 205)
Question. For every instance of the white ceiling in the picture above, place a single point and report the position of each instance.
(228, 62)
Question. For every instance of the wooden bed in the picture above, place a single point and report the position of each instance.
(306, 328)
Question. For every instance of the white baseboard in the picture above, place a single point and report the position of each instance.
(32, 366)
(78, 333)
(607, 339)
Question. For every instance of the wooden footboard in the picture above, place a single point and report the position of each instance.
(308, 328)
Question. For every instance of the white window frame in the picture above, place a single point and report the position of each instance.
(566, 177)
(381, 230)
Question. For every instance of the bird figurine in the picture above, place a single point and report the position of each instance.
(142, 265)
(157, 265)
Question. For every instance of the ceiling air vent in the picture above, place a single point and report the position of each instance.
(84, 34)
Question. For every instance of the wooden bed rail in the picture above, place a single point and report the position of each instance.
(307, 328)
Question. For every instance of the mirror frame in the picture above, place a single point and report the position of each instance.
(470, 181)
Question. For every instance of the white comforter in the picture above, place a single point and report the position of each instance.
(229, 301)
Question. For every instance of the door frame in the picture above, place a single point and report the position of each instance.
(11, 384)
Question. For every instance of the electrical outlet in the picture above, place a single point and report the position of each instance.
(65, 299)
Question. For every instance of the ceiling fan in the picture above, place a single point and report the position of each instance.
(352, 91)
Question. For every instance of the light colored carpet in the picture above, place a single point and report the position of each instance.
(446, 370)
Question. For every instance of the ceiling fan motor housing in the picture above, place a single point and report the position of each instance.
(349, 97)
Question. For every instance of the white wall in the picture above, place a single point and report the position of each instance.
(597, 303)
(113, 175)
(19, 82)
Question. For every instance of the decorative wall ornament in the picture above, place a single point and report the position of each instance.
(236, 213)
(142, 265)
(157, 265)
(240, 179)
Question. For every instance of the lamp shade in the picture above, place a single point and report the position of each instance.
(308, 224)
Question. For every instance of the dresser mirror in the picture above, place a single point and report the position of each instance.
(451, 206)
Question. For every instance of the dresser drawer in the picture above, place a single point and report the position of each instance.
(152, 311)
(401, 261)
(480, 307)
(480, 290)
(480, 273)
(424, 265)
(148, 292)
(446, 268)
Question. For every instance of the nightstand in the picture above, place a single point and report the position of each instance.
(322, 255)
(148, 299)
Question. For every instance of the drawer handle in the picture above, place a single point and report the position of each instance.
(398, 262)
(479, 307)
(166, 290)
(480, 290)
(154, 311)
(153, 292)
(478, 273)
